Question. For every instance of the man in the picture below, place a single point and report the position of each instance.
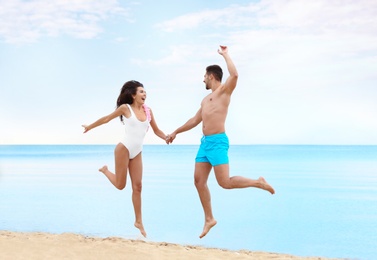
(213, 151)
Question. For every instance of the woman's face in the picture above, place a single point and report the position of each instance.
(140, 96)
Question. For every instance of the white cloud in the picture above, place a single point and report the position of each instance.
(232, 16)
(27, 21)
(322, 15)
(317, 16)
(175, 55)
(189, 21)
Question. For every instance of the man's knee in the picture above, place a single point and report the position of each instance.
(199, 182)
(225, 184)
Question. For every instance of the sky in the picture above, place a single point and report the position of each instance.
(307, 69)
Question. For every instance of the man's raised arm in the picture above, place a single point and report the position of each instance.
(231, 81)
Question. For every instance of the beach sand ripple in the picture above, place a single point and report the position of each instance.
(15, 245)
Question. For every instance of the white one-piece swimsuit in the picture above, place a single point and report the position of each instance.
(135, 131)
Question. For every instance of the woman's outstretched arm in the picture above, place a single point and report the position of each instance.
(121, 110)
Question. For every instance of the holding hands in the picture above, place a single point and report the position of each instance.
(170, 137)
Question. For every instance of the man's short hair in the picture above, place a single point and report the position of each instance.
(216, 71)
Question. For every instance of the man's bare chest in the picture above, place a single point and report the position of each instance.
(215, 101)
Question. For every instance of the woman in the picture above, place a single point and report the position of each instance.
(136, 117)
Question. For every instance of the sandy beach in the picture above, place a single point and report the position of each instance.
(15, 245)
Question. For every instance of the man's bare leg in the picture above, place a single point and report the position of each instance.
(238, 182)
(202, 171)
(205, 199)
(265, 186)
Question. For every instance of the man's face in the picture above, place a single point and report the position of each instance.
(206, 80)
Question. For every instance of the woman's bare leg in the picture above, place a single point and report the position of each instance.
(136, 174)
(121, 156)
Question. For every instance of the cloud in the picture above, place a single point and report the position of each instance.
(319, 16)
(177, 54)
(322, 16)
(27, 21)
(232, 16)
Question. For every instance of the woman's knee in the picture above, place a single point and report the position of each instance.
(137, 187)
(120, 185)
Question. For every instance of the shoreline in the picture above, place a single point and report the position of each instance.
(41, 245)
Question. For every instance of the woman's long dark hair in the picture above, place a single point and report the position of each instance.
(128, 90)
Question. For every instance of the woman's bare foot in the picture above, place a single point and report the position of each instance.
(207, 226)
(141, 228)
(265, 185)
(103, 169)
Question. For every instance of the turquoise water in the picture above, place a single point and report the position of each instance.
(325, 202)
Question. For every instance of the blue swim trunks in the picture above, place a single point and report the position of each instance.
(213, 149)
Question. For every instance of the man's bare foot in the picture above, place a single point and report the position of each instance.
(265, 185)
(103, 169)
(141, 228)
(207, 226)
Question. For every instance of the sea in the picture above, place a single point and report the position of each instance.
(325, 203)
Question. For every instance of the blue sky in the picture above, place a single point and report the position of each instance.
(308, 69)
